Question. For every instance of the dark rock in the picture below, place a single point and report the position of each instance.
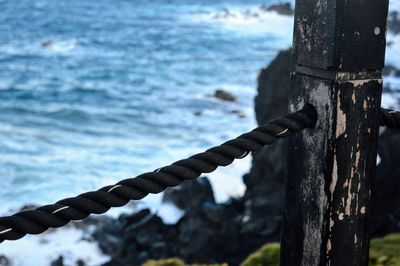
(239, 113)
(28, 207)
(265, 181)
(387, 194)
(224, 95)
(135, 238)
(190, 194)
(198, 113)
(212, 234)
(159, 249)
(394, 22)
(47, 44)
(282, 9)
(225, 13)
(389, 70)
(58, 262)
(80, 263)
(4, 261)
(249, 13)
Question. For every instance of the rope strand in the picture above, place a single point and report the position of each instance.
(96, 202)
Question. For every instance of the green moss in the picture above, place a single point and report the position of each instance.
(218, 264)
(385, 251)
(165, 262)
(175, 262)
(268, 255)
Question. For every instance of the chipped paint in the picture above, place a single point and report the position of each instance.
(365, 105)
(360, 83)
(334, 177)
(341, 119)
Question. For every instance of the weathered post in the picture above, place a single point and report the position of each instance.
(338, 55)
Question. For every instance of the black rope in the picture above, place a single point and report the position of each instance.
(390, 118)
(96, 202)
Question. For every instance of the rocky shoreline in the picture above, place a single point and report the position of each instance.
(210, 232)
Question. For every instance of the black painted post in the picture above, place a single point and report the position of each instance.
(339, 48)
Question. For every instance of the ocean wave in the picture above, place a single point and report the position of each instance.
(72, 243)
(394, 6)
(249, 20)
(38, 48)
(393, 50)
(391, 100)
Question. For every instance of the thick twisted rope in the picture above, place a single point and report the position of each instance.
(96, 202)
(390, 118)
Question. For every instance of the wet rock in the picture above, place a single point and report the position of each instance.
(250, 14)
(190, 194)
(224, 96)
(47, 44)
(159, 249)
(4, 261)
(58, 262)
(239, 113)
(282, 9)
(28, 207)
(390, 70)
(387, 194)
(80, 263)
(225, 13)
(212, 234)
(135, 238)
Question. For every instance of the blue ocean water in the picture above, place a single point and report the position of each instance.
(92, 92)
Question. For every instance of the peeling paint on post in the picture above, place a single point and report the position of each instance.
(339, 49)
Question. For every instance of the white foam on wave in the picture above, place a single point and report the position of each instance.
(227, 182)
(249, 20)
(62, 46)
(44, 47)
(392, 82)
(394, 5)
(71, 243)
(169, 213)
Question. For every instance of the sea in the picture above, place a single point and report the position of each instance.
(92, 92)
